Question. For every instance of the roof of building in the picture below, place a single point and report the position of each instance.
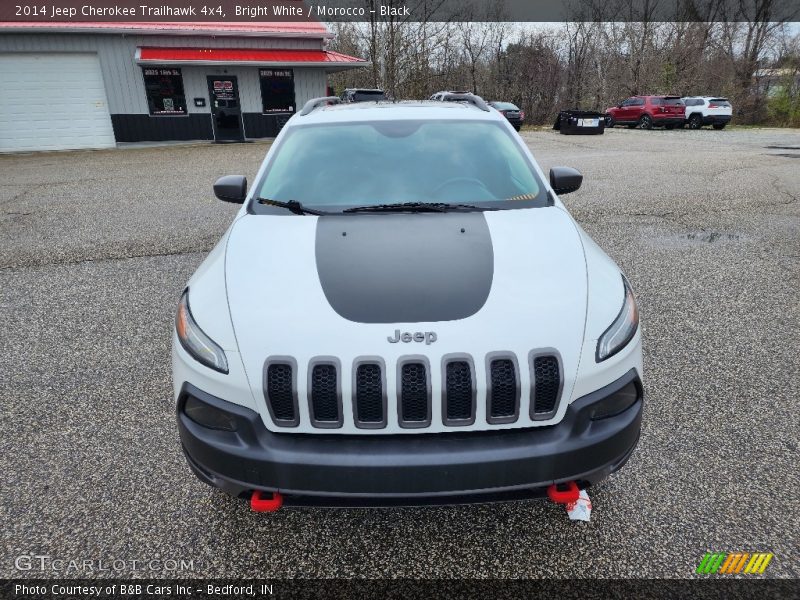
(246, 56)
(260, 29)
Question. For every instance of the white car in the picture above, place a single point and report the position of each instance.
(404, 312)
(450, 96)
(707, 110)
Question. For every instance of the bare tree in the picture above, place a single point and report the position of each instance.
(609, 50)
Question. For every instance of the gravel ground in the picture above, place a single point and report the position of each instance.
(95, 247)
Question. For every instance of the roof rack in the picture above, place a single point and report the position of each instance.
(315, 103)
(470, 98)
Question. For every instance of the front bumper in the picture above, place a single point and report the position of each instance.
(411, 468)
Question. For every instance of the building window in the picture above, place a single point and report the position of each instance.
(164, 91)
(277, 90)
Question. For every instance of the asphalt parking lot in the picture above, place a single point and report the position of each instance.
(95, 248)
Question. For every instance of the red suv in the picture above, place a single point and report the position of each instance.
(646, 112)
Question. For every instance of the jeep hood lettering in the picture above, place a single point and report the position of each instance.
(516, 281)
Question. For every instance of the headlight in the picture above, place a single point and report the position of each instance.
(195, 342)
(622, 329)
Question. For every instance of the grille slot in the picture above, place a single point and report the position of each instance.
(370, 399)
(503, 391)
(546, 386)
(324, 395)
(280, 392)
(414, 394)
(459, 393)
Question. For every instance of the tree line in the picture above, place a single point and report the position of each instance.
(588, 64)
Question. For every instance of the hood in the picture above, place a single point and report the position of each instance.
(346, 286)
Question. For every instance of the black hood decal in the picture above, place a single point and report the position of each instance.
(405, 268)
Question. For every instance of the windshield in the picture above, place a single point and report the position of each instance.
(364, 96)
(335, 166)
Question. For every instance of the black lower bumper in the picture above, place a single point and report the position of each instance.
(716, 120)
(665, 121)
(405, 468)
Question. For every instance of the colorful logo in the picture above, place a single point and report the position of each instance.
(727, 563)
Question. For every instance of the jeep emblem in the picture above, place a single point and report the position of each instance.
(406, 336)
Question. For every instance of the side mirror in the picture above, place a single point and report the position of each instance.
(565, 180)
(231, 188)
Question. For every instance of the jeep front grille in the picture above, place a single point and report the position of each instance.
(405, 399)
(370, 396)
(414, 395)
(280, 392)
(546, 386)
(459, 393)
(503, 391)
(324, 395)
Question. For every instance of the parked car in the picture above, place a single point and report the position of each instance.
(362, 95)
(647, 112)
(707, 110)
(579, 122)
(511, 112)
(378, 332)
(441, 95)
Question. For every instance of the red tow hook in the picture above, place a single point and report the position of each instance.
(564, 496)
(265, 502)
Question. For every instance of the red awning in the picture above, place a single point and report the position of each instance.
(248, 56)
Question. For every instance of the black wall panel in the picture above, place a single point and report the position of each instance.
(144, 128)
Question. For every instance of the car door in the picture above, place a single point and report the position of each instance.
(637, 109)
(622, 114)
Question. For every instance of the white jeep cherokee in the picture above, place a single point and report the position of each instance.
(404, 312)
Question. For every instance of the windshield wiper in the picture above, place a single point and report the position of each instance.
(415, 207)
(294, 206)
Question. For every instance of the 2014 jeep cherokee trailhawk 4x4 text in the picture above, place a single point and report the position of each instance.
(403, 311)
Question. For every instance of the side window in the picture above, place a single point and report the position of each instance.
(638, 102)
(164, 88)
(277, 90)
(628, 102)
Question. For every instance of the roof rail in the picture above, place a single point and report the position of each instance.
(470, 98)
(317, 102)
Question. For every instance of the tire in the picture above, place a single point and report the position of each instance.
(719, 126)
(517, 127)
(645, 122)
(610, 122)
(695, 121)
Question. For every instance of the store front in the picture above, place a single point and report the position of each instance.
(134, 82)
